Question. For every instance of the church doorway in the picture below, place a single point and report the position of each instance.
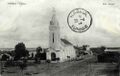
(53, 56)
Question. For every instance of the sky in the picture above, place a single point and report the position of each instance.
(29, 23)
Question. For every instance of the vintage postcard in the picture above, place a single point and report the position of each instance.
(59, 37)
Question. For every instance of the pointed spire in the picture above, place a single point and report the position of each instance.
(54, 19)
(54, 14)
(54, 11)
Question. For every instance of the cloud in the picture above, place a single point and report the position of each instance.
(29, 23)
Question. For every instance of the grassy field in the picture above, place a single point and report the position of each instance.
(86, 67)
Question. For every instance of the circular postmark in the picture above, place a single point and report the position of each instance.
(79, 20)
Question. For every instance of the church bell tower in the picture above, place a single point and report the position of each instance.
(54, 32)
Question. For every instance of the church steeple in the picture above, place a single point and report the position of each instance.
(54, 20)
(54, 32)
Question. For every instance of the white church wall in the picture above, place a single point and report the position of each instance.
(67, 54)
(48, 56)
(71, 52)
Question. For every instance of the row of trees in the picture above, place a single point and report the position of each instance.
(21, 53)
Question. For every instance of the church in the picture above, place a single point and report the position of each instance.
(59, 49)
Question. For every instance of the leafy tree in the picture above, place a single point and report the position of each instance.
(38, 54)
(5, 57)
(85, 47)
(103, 48)
(20, 51)
(38, 50)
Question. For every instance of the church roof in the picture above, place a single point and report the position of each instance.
(66, 42)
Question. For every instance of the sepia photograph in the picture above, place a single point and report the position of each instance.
(59, 37)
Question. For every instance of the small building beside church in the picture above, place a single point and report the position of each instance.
(59, 49)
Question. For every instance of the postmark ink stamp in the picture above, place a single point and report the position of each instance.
(79, 20)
